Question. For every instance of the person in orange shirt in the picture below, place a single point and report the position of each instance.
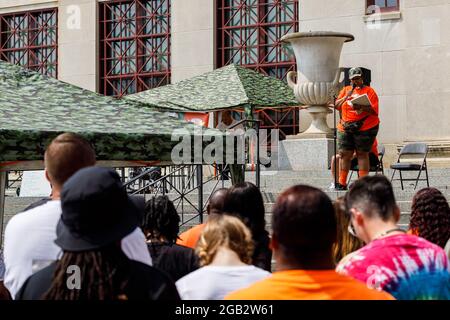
(358, 127)
(215, 206)
(304, 231)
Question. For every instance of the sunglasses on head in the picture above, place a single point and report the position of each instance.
(351, 229)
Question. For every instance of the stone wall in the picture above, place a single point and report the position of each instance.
(409, 55)
(78, 43)
(193, 38)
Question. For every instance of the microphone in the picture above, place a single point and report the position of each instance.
(351, 91)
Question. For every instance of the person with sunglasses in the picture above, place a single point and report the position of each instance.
(346, 241)
(405, 265)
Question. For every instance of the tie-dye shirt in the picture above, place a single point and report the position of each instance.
(406, 266)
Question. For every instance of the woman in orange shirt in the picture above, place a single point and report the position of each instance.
(358, 127)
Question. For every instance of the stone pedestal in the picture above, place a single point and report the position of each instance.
(305, 154)
(319, 127)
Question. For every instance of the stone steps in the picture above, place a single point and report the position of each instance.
(272, 184)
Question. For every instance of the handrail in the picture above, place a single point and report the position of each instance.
(143, 174)
(154, 182)
(188, 181)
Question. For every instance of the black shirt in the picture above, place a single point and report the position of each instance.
(177, 261)
(262, 255)
(145, 283)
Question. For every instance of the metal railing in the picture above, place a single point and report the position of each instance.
(185, 184)
(14, 180)
(179, 183)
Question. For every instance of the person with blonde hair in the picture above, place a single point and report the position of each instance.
(225, 251)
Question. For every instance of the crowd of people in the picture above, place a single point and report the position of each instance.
(92, 241)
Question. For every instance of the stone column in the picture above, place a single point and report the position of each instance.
(78, 43)
(193, 38)
(193, 47)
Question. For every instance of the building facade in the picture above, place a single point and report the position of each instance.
(406, 44)
(118, 47)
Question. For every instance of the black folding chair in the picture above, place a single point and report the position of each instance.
(374, 167)
(419, 150)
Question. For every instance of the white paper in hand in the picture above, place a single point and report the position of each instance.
(362, 100)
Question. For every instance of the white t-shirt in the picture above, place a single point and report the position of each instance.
(29, 244)
(215, 282)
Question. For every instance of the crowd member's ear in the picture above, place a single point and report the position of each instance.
(47, 176)
(358, 216)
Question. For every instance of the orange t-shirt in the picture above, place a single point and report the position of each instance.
(190, 237)
(308, 285)
(349, 114)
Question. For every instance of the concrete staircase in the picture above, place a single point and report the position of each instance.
(272, 184)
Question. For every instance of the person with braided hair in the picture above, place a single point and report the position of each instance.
(430, 216)
(225, 250)
(97, 214)
(406, 266)
(161, 227)
(64, 156)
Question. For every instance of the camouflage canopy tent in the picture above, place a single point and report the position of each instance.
(229, 87)
(35, 108)
(224, 88)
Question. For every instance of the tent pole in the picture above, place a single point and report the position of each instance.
(336, 174)
(258, 168)
(3, 175)
(200, 190)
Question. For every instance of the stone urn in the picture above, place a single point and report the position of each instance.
(317, 78)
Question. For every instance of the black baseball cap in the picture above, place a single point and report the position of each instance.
(96, 210)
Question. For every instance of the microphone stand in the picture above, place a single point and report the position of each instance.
(335, 142)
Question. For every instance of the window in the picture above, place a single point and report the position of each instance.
(134, 46)
(249, 33)
(384, 5)
(30, 40)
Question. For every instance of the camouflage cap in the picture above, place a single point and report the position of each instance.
(355, 72)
